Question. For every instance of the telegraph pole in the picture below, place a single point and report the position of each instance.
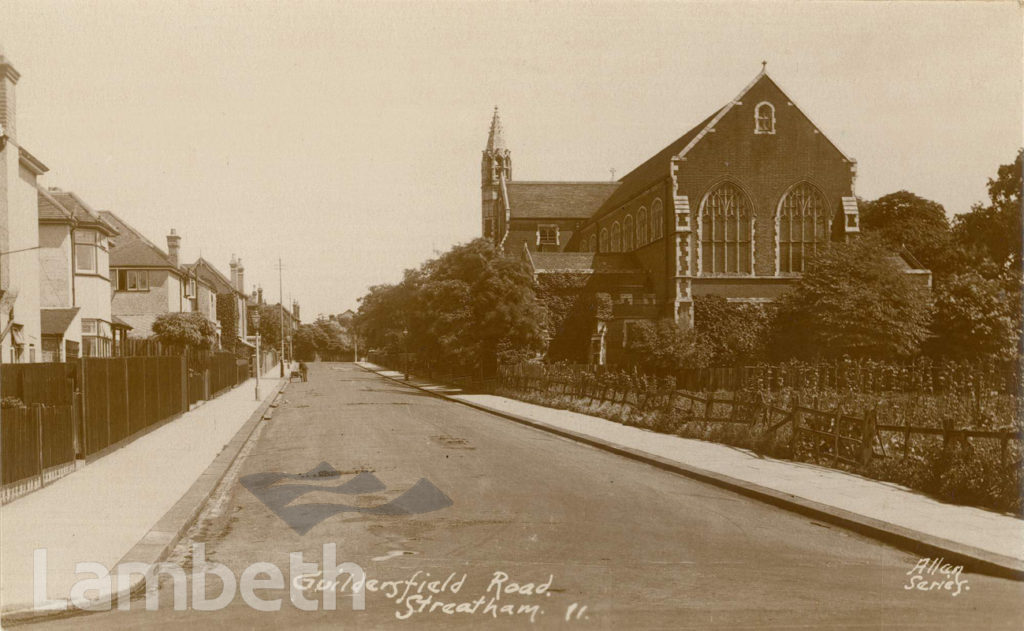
(280, 304)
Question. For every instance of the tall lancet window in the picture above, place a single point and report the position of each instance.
(803, 227)
(616, 237)
(604, 240)
(627, 234)
(642, 224)
(726, 225)
(657, 220)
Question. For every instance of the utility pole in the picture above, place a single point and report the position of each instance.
(280, 304)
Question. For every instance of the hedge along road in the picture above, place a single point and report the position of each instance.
(516, 525)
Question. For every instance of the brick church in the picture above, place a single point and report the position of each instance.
(734, 207)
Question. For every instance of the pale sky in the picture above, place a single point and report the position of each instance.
(346, 137)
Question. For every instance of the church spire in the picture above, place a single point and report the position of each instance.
(496, 137)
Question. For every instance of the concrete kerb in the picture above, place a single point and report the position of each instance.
(157, 544)
(974, 559)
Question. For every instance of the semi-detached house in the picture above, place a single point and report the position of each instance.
(147, 282)
(74, 275)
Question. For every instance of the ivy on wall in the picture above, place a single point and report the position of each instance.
(573, 306)
(227, 315)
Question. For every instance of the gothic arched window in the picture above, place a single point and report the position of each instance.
(642, 224)
(657, 220)
(616, 237)
(803, 226)
(727, 222)
(764, 118)
(627, 234)
(593, 243)
(604, 239)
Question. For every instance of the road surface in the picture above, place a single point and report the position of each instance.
(586, 539)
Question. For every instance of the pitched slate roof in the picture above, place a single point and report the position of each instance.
(657, 167)
(82, 213)
(583, 262)
(131, 249)
(56, 321)
(50, 209)
(652, 170)
(210, 275)
(557, 200)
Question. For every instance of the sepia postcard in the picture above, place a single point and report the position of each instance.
(511, 315)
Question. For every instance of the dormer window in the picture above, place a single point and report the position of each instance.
(547, 235)
(764, 118)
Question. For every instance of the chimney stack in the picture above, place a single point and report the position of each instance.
(234, 271)
(295, 310)
(259, 296)
(8, 79)
(241, 277)
(173, 245)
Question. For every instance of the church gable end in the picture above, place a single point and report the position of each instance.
(763, 143)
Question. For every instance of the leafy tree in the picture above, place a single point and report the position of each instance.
(977, 318)
(323, 338)
(460, 309)
(734, 332)
(384, 313)
(853, 299)
(992, 232)
(920, 225)
(185, 329)
(662, 348)
(270, 325)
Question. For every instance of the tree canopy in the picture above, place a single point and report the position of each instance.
(991, 233)
(734, 332)
(191, 330)
(663, 347)
(853, 299)
(977, 318)
(462, 308)
(903, 219)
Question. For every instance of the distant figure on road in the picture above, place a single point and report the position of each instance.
(304, 371)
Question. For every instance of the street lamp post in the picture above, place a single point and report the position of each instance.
(256, 324)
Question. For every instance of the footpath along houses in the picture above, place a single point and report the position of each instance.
(78, 282)
(80, 291)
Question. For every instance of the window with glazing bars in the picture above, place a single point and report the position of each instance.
(726, 226)
(803, 227)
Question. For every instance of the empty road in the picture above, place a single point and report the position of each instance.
(415, 489)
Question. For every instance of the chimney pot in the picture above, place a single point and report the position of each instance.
(240, 284)
(173, 246)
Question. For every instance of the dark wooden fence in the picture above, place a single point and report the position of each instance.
(36, 446)
(49, 384)
(124, 395)
(56, 411)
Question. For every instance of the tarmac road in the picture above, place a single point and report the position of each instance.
(571, 525)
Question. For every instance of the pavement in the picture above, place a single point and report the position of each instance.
(108, 508)
(533, 529)
(982, 539)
